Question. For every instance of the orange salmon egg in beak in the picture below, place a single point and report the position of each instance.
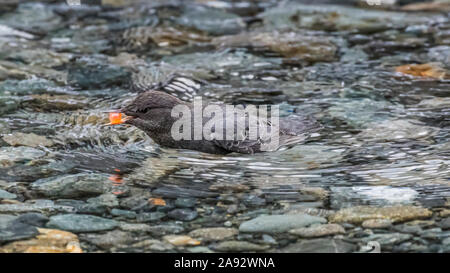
(117, 118)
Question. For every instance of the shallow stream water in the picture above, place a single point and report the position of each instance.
(384, 142)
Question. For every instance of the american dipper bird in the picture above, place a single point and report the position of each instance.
(151, 112)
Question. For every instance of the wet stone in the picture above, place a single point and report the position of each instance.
(70, 186)
(388, 239)
(183, 214)
(181, 240)
(89, 73)
(160, 230)
(445, 223)
(150, 216)
(377, 223)
(108, 240)
(280, 223)
(107, 199)
(33, 219)
(123, 213)
(12, 230)
(81, 223)
(7, 195)
(30, 140)
(9, 155)
(318, 230)
(239, 246)
(360, 214)
(213, 21)
(185, 202)
(47, 241)
(213, 234)
(319, 246)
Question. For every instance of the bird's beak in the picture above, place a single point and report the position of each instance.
(116, 117)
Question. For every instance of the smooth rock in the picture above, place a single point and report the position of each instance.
(48, 241)
(72, 186)
(181, 240)
(388, 239)
(150, 216)
(81, 223)
(377, 223)
(239, 246)
(108, 240)
(359, 214)
(319, 246)
(7, 195)
(279, 223)
(213, 234)
(318, 230)
(183, 214)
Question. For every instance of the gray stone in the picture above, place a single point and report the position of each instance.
(388, 239)
(7, 195)
(71, 186)
(110, 239)
(213, 234)
(319, 246)
(107, 199)
(81, 223)
(28, 207)
(279, 223)
(123, 213)
(19, 154)
(239, 246)
(33, 219)
(30, 140)
(185, 202)
(12, 230)
(150, 216)
(183, 214)
(445, 224)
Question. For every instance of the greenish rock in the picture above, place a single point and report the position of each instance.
(397, 130)
(213, 21)
(388, 239)
(4, 128)
(115, 238)
(199, 249)
(8, 105)
(71, 186)
(123, 213)
(280, 223)
(33, 17)
(358, 113)
(29, 207)
(9, 155)
(185, 202)
(88, 73)
(107, 199)
(7, 195)
(28, 86)
(81, 223)
(150, 216)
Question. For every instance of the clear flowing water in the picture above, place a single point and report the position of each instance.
(385, 136)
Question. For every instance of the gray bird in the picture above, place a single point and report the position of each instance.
(151, 112)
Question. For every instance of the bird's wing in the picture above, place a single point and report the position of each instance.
(177, 85)
(243, 143)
